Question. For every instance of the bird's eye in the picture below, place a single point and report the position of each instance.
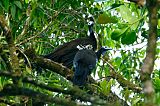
(91, 23)
(90, 67)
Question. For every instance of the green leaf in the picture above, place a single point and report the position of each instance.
(26, 1)
(158, 23)
(158, 34)
(114, 6)
(125, 13)
(18, 4)
(116, 34)
(128, 16)
(6, 4)
(98, 5)
(129, 38)
(126, 94)
(100, 73)
(13, 11)
(136, 100)
(1, 8)
(109, 86)
(19, 14)
(28, 70)
(107, 71)
(144, 33)
(157, 83)
(118, 61)
(105, 19)
(105, 86)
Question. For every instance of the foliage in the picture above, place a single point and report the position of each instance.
(46, 24)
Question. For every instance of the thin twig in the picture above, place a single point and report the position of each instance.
(44, 28)
(123, 82)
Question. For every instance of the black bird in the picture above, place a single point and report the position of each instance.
(84, 62)
(65, 53)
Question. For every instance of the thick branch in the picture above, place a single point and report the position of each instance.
(74, 91)
(148, 64)
(5, 58)
(60, 69)
(120, 79)
(138, 2)
(10, 90)
(49, 64)
(12, 48)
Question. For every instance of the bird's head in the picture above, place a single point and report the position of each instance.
(90, 21)
(103, 50)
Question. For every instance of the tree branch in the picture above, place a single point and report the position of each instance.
(49, 64)
(11, 45)
(24, 31)
(7, 102)
(74, 91)
(5, 58)
(120, 79)
(138, 2)
(148, 65)
(15, 91)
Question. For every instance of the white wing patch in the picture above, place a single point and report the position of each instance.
(89, 47)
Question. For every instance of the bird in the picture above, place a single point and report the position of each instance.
(84, 62)
(65, 53)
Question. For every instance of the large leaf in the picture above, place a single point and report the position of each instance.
(18, 4)
(129, 16)
(13, 11)
(129, 38)
(6, 4)
(116, 34)
(1, 8)
(105, 19)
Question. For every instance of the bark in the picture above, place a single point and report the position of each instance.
(148, 65)
(12, 49)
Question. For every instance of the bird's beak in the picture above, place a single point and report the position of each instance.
(108, 49)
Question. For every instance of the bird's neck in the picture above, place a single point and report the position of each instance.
(91, 32)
